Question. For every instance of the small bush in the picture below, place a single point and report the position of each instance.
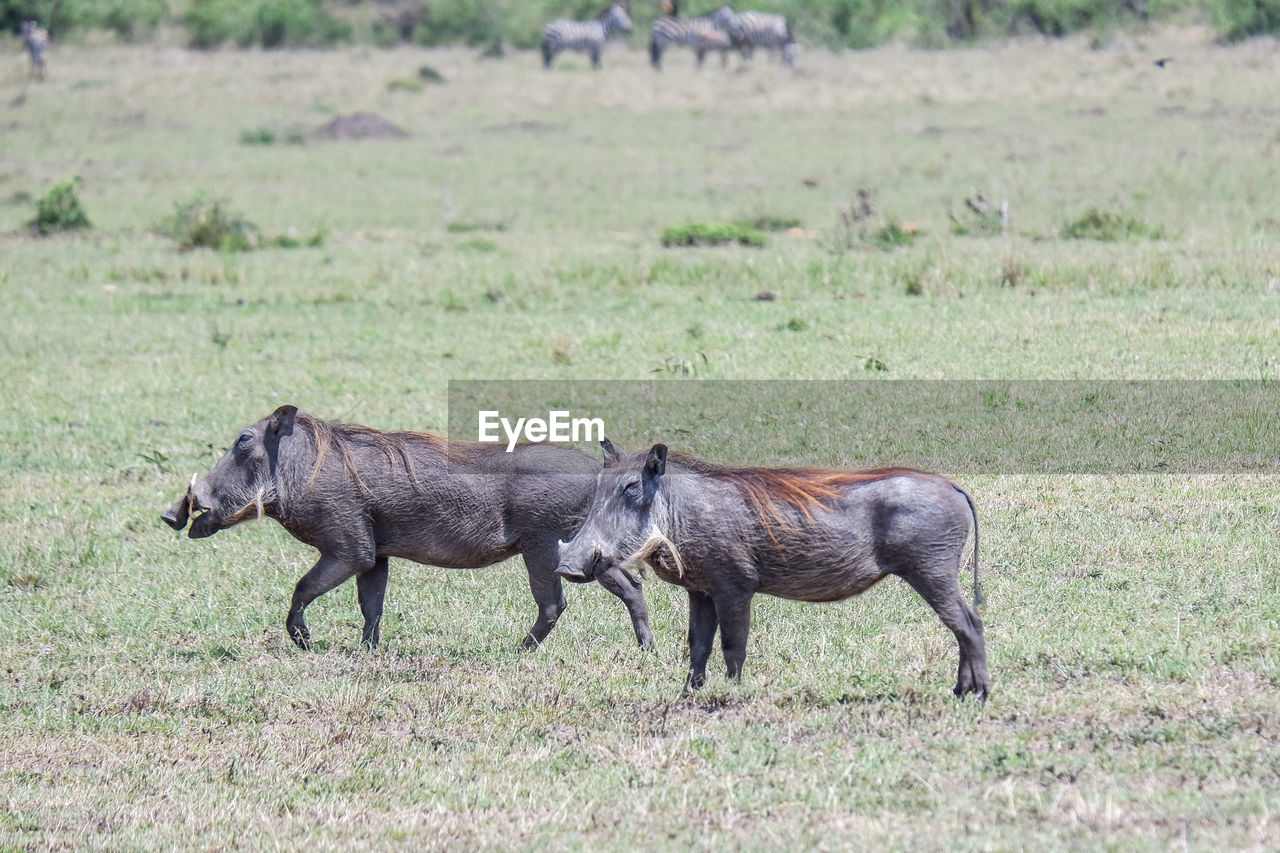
(59, 209)
(468, 227)
(292, 241)
(479, 244)
(700, 234)
(403, 84)
(258, 136)
(914, 283)
(427, 74)
(291, 135)
(1107, 225)
(205, 222)
(894, 234)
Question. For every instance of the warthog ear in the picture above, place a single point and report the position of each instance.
(281, 422)
(656, 463)
(613, 454)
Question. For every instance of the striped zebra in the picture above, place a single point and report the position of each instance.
(36, 40)
(704, 34)
(587, 36)
(771, 32)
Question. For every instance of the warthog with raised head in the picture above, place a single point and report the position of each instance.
(360, 497)
(725, 534)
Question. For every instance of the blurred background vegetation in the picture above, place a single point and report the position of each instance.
(493, 24)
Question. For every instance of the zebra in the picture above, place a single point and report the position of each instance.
(760, 29)
(704, 34)
(36, 40)
(588, 36)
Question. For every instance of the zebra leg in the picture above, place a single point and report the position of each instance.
(655, 55)
(595, 59)
(547, 55)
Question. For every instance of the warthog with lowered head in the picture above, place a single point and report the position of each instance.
(360, 497)
(725, 534)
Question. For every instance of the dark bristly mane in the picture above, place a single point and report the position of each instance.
(393, 445)
(800, 488)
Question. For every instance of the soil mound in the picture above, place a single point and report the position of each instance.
(360, 126)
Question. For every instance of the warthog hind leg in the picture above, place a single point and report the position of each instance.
(942, 590)
(734, 615)
(548, 593)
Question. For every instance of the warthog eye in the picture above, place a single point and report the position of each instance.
(632, 489)
(244, 441)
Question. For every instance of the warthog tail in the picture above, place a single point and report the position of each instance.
(978, 600)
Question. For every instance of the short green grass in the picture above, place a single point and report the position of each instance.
(150, 697)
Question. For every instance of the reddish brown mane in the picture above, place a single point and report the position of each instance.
(801, 488)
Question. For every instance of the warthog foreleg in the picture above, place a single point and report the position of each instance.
(627, 587)
(702, 634)
(327, 573)
(371, 590)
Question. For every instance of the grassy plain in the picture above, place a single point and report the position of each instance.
(149, 695)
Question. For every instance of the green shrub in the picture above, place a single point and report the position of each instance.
(479, 244)
(466, 227)
(1062, 17)
(427, 74)
(893, 234)
(265, 135)
(59, 209)
(131, 19)
(258, 136)
(403, 84)
(269, 23)
(701, 234)
(290, 241)
(1107, 225)
(470, 22)
(204, 222)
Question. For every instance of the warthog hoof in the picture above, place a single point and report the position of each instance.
(301, 636)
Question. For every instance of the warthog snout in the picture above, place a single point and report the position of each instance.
(178, 514)
(185, 510)
(578, 573)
